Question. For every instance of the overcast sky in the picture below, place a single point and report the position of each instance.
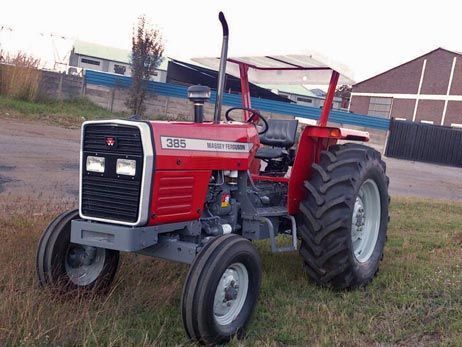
(368, 36)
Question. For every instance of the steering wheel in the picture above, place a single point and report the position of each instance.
(254, 117)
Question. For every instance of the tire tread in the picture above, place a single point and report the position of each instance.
(325, 214)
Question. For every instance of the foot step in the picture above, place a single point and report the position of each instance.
(273, 211)
(274, 247)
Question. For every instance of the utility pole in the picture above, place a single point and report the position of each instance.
(58, 60)
(2, 29)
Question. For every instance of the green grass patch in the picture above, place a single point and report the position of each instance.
(64, 113)
(416, 299)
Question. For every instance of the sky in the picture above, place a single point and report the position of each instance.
(367, 36)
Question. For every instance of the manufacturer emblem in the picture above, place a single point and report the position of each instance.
(111, 141)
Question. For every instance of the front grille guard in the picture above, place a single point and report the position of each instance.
(146, 175)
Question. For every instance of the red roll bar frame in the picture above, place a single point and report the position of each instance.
(245, 88)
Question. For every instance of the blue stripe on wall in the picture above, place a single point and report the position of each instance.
(336, 116)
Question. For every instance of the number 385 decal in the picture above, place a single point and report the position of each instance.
(175, 143)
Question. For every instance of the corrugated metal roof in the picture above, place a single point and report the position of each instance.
(299, 90)
(319, 92)
(109, 53)
(100, 51)
(290, 89)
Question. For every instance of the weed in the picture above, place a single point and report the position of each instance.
(415, 300)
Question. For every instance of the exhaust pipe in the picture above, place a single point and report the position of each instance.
(222, 70)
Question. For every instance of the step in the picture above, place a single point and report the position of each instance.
(273, 211)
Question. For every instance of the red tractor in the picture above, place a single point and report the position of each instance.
(199, 193)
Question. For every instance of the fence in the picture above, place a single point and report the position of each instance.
(60, 86)
(425, 142)
(116, 82)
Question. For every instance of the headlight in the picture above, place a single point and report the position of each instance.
(95, 164)
(126, 167)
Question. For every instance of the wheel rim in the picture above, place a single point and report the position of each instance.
(231, 294)
(84, 263)
(365, 223)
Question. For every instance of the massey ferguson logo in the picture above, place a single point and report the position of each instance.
(111, 141)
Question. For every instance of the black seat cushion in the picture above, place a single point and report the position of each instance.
(281, 133)
(269, 152)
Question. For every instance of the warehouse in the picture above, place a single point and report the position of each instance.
(427, 89)
(97, 57)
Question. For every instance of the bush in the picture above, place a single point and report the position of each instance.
(20, 76)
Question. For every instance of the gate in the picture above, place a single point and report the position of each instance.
(425, 142)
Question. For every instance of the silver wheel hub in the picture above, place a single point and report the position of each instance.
(84, 264)
(230, 294)
(365, 223)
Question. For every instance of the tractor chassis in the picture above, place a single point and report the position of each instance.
(160, 241)
(181, 242)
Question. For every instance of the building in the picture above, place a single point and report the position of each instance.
(93, 56)
(187, 74)
(302, 95)
(427, 89)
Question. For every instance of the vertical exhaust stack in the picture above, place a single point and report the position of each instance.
(222, 71)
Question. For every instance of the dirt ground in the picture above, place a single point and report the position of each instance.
(39, 160)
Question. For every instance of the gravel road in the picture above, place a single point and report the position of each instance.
(40, 160)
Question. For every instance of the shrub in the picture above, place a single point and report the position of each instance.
(19, 76)
(147, 51)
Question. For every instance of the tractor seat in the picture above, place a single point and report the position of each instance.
(278, 139)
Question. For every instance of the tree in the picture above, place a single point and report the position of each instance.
(344, 92)
(147, 51)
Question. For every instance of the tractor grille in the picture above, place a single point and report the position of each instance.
(109, 195)
(128, 139)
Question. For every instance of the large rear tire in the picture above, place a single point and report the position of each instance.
(221, 290)
(343, 220)
(66, 266)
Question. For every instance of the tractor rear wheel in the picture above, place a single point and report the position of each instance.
(344, 218)
(221, 290)
(66, 266)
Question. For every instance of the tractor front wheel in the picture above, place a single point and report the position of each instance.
(66, 266)
(343, 220)
(221, 290)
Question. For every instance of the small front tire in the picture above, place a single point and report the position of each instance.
(66, 266)
(221, 290)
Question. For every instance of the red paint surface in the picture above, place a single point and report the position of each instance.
(329, 99)
(270, 178)
(181, 177)
(178, 195)
(313, 140)
(172, 159)
(245, 89)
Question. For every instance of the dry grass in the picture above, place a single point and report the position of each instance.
(20, 76)
(415, 300)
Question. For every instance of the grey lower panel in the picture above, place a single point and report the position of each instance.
(122, 238)
(172, 249)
